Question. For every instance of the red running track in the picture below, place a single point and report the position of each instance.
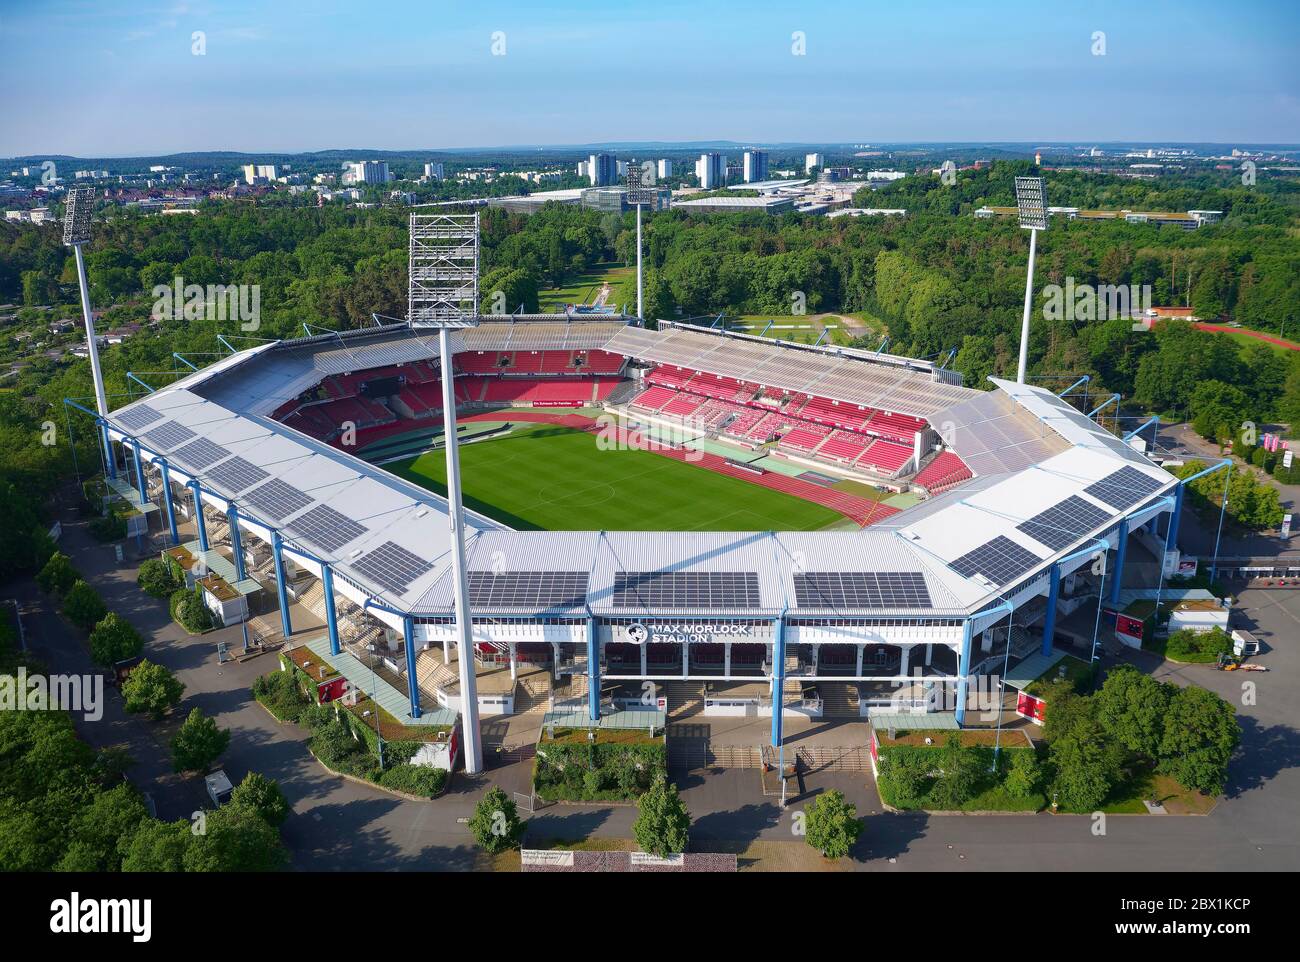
(1257, 335)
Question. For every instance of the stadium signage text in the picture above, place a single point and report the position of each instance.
(678, 633)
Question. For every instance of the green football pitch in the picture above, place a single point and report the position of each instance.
(557, 479)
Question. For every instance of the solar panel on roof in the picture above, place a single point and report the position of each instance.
(277, 499)
(1000, 560)
(137, 417)
(391, 566)
(1063, 524)
(861, 589)
(527, 589)
(237, 474)
(169, 434)
(200, 453)
(1124, 488)
(327, 528)
(686, 589)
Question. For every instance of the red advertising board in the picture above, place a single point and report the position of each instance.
(1129, 630)
(332, 689)
(1027, 706)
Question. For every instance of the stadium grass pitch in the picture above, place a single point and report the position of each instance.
(556, 479)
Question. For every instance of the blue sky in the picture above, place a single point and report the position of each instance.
(107, 78)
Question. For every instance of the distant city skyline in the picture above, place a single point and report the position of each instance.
(112, 79)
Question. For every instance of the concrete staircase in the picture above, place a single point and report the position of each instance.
(839, 699)
(684, 697)
(570, 688)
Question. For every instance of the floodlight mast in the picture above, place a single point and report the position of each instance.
(443, 296)
(1031, 204)
(638, 194)
(76, 231)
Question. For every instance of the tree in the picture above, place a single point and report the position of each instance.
(83, 606)
(153, 689)
(959, 774)
(156, 846)
(238, 839)
(1218, 410)
(1131, 708)
(112, 815)
(58, 575)
(1024, 775)
(113, 640)
(155, 579)
(495, 823)
(1086, 763)
(1200, 734)
(833, 825)
(663, 825)
(263, 796)
(199, 743)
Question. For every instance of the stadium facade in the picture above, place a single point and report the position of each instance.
(1032, 503)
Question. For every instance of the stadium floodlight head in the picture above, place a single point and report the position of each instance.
(443, 264)
(1031, 202)
(76, 217)
(638, 191)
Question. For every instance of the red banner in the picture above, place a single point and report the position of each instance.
(1027, 706)
(1128, 628)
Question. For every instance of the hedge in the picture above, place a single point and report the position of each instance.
(597, 772)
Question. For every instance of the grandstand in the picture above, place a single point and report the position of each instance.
(1017, 496)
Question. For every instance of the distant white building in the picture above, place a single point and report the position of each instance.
(665, 169)
(90, 174)
(755, 166)
(711, 170)
(259, 172)
(886, 175)
(433, 171)
(367, 172)
(602, 170)
(813, 160)
(582, 168)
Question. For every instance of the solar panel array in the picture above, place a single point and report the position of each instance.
(277, 499)
(237, 474)
(200, 453)
(1000, 560)
(391, 566)
(169, 434)
(137, 417)
(1063, 524)
(527, 589)
(861, 589)
(327, 528)
(686, 589)
(1123, 489)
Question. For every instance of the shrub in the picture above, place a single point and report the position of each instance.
(906, 775)
(155, 579)
(189, 611)
(83, 606)
(114, 640)
(495, 823)
(198, 744)
(153, 689)
(1024, 775)
(415, 780)
(1198, 646)
(109, 527)
(833, 825)
(263, 796)
(959, 775)
(58, 575)
(281, 695)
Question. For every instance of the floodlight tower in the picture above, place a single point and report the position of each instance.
(1031, 203)
(639, 193)
(443, 296)
(76, 231)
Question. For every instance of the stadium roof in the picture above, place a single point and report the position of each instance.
(1050, 481)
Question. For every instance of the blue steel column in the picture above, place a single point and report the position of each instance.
(331, 617)
(1175, 516)
(412, 683)
(139, 472)
(199, 521)
(963, 669)
(277, 552)
(593, 671)
(1121, 546)
(167, 501)
(109, 461)
(778, 682)
(236, 542)
(1049, 621)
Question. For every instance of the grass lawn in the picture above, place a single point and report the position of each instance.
(583, 288)
(1127, 797)
(556, 479)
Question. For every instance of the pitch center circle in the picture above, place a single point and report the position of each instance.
(589, 497)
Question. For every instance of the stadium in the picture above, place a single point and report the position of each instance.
(1004, 502)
